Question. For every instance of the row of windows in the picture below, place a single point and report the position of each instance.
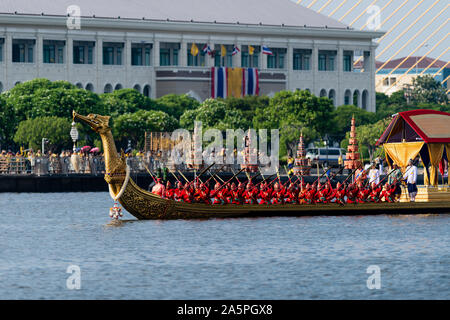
(141, 54)
(357, 99)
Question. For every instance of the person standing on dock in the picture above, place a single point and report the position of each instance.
(411, 178)
(394, 179)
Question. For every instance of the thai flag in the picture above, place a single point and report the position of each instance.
(206, 49)
(266, 50)
(218, 82)
(235, 50)
(251, 82)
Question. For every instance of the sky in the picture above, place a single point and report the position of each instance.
(395, 40)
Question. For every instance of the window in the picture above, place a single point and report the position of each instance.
(23, 50)
(141, 54)
(250, 60)
(112, 53)
(276, 60)
(83, 52)
(302, 59)
(54, 51)
(348, 61)
(168, 54)
(327, 60)
(227, 60)
(2, 41)
(199, 59)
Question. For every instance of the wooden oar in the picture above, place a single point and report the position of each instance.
(228, 181)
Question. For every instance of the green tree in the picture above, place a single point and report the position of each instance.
(367, 136)
(7, 121)
(247, 105)
(176, 104)
(30, 133)
(342, 117)
(214, 113)
(428, 90)
(126, 101)
(292, 112)
(134, 125)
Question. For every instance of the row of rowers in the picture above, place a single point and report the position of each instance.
(276, 193)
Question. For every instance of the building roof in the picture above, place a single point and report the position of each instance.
(268, 12)
(418, 125)
(410, 62)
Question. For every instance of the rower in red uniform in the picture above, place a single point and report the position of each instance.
(375, 193)
(235, 194)
(264, 194)
(302, 195)
(363, 193)
(215, 194)
(340, 193)
(387, 194)
(188, 193)
(277, 194)
(290, 194)
(169, 191)
(178, 192)
(352, 193)
(250, 194)
(159, 188)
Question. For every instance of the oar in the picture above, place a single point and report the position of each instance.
(183, 176)
(236, 176)
(212, 175)
(228, 181)
(150, 172)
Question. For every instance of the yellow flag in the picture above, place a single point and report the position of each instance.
(251, 50)
(194, 50)
(223, 51)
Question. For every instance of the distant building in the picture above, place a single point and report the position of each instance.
(146, 45)
(389, 80)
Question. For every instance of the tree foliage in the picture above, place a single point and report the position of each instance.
(176, 104)
(214, 114)
(343, 115)
(428, 90)
(367, 136)
(30, 132)
(134, 125)
(292, 112)
(126, 101)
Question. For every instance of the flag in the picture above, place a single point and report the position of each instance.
(266, 50)
(206, 49)
(251, 50)
(219, 82)
(235, 82)
(194, 50)
(223, 50)
(251, 82)
(235, 50)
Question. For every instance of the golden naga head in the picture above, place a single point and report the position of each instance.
(97, 122)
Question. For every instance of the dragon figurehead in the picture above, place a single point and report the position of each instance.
(115, 166)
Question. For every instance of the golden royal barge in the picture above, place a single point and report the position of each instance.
(146, 205)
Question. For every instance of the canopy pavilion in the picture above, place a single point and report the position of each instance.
(423, 133)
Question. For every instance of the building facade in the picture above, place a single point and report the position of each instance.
(154, 56)
(398, 74)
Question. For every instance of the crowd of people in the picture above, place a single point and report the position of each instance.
(67, 161)
(366, 186)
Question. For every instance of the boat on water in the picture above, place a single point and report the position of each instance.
(146, 205)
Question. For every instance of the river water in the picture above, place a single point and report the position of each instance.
(41, 235)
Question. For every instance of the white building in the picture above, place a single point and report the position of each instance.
(145, 44)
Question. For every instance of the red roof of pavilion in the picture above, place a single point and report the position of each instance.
(418, 125)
